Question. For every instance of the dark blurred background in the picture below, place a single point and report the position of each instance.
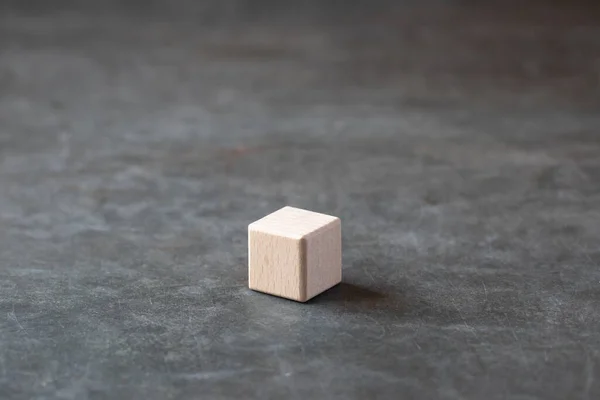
(458, 141)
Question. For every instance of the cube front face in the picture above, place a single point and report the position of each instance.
(286, 263)
(276, 265)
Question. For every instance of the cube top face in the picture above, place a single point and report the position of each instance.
(294, 253)
(293, 223)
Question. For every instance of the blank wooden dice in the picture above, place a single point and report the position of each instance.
(294, 253)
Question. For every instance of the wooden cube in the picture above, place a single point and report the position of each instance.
(294, 253)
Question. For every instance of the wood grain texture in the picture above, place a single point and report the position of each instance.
(294, 253)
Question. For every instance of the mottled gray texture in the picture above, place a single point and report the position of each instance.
(458, 143)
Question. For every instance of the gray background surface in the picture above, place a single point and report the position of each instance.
(457, 141)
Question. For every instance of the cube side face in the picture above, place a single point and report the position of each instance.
(276, 265)
(324, 259)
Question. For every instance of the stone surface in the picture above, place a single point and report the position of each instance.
(457, 141)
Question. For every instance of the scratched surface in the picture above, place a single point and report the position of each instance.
(458, 144)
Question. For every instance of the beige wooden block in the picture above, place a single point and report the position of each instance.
(294, 253)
